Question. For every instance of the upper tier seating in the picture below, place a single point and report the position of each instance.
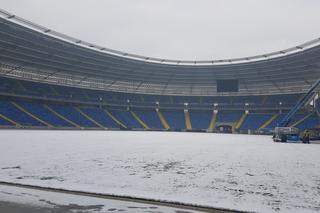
(78, 94)
(284, 99)
(38, 88)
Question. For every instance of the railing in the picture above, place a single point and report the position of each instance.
(145, 105)
(64, 79)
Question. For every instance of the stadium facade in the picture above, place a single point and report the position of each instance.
(50, 80)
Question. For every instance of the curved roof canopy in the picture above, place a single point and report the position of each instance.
(33, 52)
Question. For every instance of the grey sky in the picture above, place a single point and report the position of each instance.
(179, 29)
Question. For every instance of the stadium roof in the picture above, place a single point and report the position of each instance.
(33, 52)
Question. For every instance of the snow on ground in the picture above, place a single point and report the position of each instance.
(31, 200)
(231, 171)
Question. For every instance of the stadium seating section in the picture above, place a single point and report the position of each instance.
(28, 104)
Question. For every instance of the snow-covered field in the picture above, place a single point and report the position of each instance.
(231, 171)
(31, 200)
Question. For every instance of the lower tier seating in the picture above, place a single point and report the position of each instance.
(126, 118)
(150, 117)
(72, 114)
(100, 116)
(29, 113)
(255, 121)
(4, 122)
(12, 112)
(200, 119)
(175, 118)
(40, 111)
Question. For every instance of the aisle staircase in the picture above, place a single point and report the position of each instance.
(139, 120)
(163, 120)
(240, 122)
(115, 119)
(11, 121)
(187, 120)
(213, 122)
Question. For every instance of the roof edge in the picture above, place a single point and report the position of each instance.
(44, 30)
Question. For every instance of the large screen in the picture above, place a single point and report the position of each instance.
(230, 85)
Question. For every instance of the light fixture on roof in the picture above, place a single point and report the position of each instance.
(280, 103)
(246, 104)
(186, 104)
(157, 102)
(128, 101)
(215, 104)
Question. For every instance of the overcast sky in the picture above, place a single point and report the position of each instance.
(179, 29)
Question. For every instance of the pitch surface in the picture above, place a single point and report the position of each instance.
(231, 171)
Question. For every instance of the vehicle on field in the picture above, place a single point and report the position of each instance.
(286, 134)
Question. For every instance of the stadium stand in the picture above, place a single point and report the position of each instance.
(100, 116)
(114, 90)
(64, 115)
(174, 118)
(72, 114)
(275, 122)
(200, 119)
(151, 118)
(254, 121)
(228, 117)
(43, 113)
(9, 110)
(311, 122)
(4, 122)
(127, 119)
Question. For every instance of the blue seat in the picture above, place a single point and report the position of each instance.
(9, 110)
(200, 119)
(72, 114)
(174, 118)
(100, 116)
(150, 117)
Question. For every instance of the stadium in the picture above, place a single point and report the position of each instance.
(51, 81)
